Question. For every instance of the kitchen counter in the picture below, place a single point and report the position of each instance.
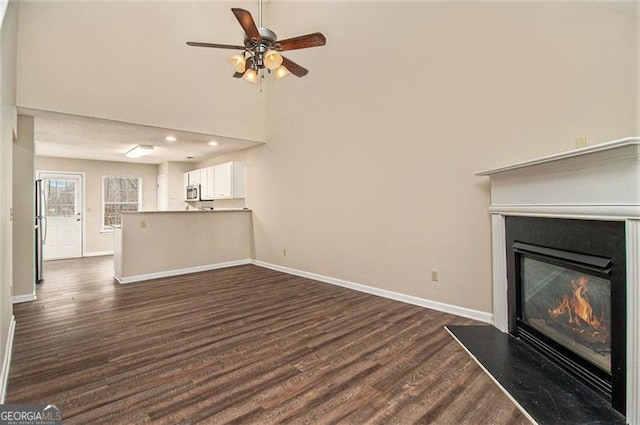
(154, 244)
(216, 210)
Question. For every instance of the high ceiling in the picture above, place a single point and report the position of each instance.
(74, 136)
(103, 73)
(103, 77)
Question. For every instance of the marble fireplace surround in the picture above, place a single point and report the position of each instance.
(600, 182)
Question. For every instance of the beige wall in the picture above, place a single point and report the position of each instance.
(96, 241)
(175, 181)
(8, 128)
(92, 51)
(24, 210)
(165, 243)
(368, 174)
(368, 171)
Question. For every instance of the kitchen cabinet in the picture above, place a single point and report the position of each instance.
(193, 177)
(224, 181)
(229, 180)
(207, 185)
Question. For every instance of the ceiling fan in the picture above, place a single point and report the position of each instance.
(261, 47)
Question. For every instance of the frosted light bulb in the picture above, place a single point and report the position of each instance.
(251, 75)
(272, 60)
(280, 72)
(237, 62)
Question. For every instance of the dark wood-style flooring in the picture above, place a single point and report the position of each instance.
(243, 345)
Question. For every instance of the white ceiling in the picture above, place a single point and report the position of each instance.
(74, 136)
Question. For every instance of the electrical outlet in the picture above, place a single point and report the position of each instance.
(581, 142)
(284, 252)
(434, 275)
(143, 223)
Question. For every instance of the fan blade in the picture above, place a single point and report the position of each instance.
(238, 75)
(247, 24)
(294, 68)
(302, 42)
(215, 45)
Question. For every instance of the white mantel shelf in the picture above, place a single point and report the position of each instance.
(596, 182)
(600, 182)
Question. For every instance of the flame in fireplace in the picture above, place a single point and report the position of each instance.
(576, 305)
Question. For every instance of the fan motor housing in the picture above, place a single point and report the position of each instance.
(268, 37)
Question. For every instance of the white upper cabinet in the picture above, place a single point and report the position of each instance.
(224, 181)
(229, 180)
(194, 177)
(203, 177)
(207, 184)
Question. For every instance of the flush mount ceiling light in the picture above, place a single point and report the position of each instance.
(170, 138)
(138, 151)
(260, 51)
(213, 143)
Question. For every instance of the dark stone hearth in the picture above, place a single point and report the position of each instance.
(547, 393)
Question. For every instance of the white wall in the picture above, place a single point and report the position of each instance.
(24, 211)
(8, 127)
(368, 171)
(175, 182)
(128, 61)
(97, 241)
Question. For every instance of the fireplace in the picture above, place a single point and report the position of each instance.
(567, 297)
(570, 307)
(566, 263)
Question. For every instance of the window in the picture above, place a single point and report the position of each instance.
(119, 193)
(61, 197)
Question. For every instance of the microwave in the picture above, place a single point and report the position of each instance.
(193, 192)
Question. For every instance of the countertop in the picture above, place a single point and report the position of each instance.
(217, 210)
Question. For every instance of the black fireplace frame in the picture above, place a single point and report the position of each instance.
(593, 238)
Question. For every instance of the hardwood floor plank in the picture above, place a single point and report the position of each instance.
(242, 345)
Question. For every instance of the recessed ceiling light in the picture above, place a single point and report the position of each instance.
(170, 139)
(213, 143)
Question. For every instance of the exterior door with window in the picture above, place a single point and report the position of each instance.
(63, 211)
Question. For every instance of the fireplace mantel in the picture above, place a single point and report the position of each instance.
(600, 182)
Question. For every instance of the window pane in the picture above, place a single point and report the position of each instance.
(119, 194)
(61, 197)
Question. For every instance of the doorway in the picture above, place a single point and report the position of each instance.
(64, 206)
(162, 200)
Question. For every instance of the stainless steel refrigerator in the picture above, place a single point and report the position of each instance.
(41, 228)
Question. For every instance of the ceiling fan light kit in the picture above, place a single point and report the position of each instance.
(261, 50)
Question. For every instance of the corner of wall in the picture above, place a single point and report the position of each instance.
(6, 363)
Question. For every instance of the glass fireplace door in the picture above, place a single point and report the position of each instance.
(573, 308)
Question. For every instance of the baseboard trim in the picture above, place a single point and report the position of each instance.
(480, 316)
(97, 253)
(17, 299)
(4, 374)
(178, 272)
